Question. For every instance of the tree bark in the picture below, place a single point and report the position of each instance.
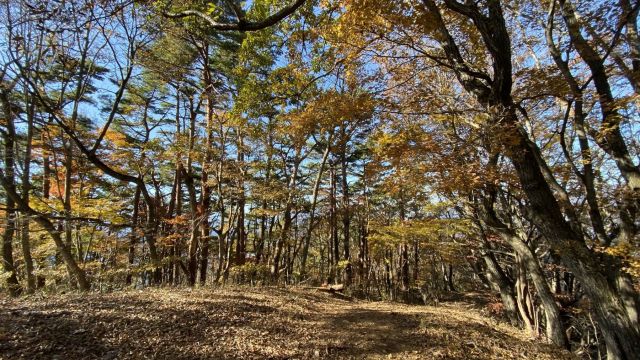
(10, 186)
(346, 215)
(26, 188)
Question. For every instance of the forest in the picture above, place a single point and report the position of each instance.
(400, 152)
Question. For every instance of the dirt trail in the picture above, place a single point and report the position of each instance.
(249, 323)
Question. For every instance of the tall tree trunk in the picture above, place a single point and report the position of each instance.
(205, 227)
(194, 239)
(242, 234)
(280, 243)
(312, 212)
(26, 188)
(333, 222)
(133, 238)
(68, 174)
(192, 260)
(363, 251)
(10, 216)
(346, 217)
(205, 187)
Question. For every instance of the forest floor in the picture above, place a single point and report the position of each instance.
(252, 323)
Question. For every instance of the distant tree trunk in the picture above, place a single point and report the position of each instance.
(346, 216)
(416, 260)
(229, 256)
(479, 271)
(259, 246)
(264, 219)
(388, 274)
(363, 252)
(192, 260)
(404, 267)
(205, 235)
(312, 212)
(222, 251)
(46, 165)
(133, 238)
(403, 250)
(280, 243)
(68, 173)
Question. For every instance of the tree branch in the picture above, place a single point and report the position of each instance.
(241, 24)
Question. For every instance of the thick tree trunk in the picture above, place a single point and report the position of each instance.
(502, 284)
(10, 186)
(554, 328)
(7, 247)
(621, 336)
(522, 298)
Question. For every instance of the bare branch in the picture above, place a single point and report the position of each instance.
(241, 24)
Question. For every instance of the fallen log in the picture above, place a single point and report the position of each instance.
(328, 288)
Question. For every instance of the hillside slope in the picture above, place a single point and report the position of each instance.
(249, 323)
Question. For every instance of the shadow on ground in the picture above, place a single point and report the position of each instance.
(248, 324)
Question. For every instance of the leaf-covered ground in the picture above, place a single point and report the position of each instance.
(250, 323)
